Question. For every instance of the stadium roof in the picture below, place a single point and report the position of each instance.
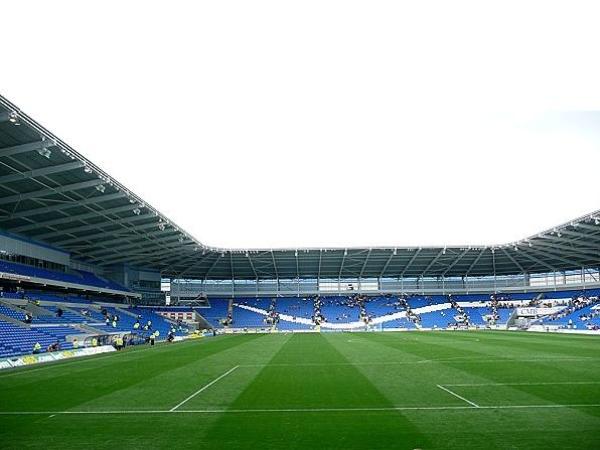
(50, 193)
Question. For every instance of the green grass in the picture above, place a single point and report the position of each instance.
(325, 391)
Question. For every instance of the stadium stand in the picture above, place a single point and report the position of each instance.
(91, 258)
(79, 316)
(78, 277)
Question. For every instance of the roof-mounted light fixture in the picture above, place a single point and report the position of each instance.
(44, 151)
(100, 188)
(13, 118)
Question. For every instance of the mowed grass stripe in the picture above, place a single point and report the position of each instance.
(474, 368)
(168, 388)
(411, 384)
(371, 391)
(326, 391)
(417, 378)
(75, 386)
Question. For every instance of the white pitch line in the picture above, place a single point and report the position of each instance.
(457, 396)
(203, 388)
(423, 361)
(527, 383)
(305, 410)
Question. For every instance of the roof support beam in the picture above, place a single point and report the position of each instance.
(456, 260)
(193, 266)
(513, 260)
(275, 266)
(80, 217)
(212, 266)
(584, 252)
(119, 236)
(410, 262)
(319, 269)
(433, 261)
(342, 264)
(173, 254)
(538, 261)
(134, 242)
(50, 191)
(106, 253)
(362, 269)
(127, 221)
(55, 208)
(252, 265)
(25, 148)
(474, 263)
(168, 262)
(579, 238)
(590, 227)
(539, 251)
(574, 233)
(41, 172)
(147, 258)
(387, 263)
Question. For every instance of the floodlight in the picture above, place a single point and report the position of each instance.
(13, 118)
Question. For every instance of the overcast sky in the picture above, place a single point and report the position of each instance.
(320, 123)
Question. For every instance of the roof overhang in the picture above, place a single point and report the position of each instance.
(52, 194)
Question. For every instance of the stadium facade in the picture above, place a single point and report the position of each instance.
(61, 213)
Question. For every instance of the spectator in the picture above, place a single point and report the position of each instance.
(37, 347)
(53, 347)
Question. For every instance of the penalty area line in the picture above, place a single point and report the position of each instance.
(457, 396)
(526, 383)
(203, 388)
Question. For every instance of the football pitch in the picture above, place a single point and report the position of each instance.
(393, 390)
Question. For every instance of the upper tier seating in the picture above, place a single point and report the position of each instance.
(216, 312)
(245, 319)
(295, 307)
(78, 277)
(339, 309)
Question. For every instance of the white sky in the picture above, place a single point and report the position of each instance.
(324, 123)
